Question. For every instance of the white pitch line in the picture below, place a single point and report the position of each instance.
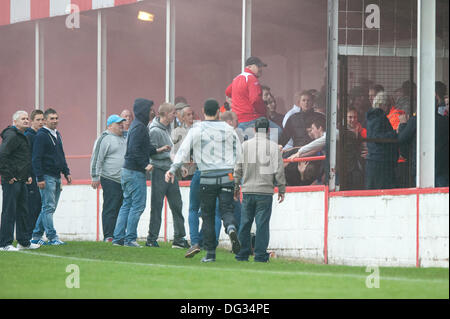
(252, 271)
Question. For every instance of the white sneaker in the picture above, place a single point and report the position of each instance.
(9, 248)
(31, 246)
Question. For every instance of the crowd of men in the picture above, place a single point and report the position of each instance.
(242, 150)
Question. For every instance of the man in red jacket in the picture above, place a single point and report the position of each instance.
(245, 90)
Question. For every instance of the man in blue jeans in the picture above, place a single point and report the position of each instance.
(260, 170)
(49, 162)
(133, 177)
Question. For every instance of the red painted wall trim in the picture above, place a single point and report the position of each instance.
(39, 9)
(417, 231)
(84, 5)
(325, 240)
(5, 12)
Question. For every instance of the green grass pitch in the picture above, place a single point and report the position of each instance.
(106, 271)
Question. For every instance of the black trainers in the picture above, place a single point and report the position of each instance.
(152, 244)
(192, 251)
(208, 259)
(180, 243)
(235, 245)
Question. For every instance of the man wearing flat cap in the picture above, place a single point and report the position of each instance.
(177, 122)
(246, 92)
(108, 157)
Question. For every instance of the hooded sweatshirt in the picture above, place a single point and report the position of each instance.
(216, 148)
(160, 136)
(379, 127)
(139, 149)
(15, 155)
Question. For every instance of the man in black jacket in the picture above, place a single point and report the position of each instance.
(133, 177)
(15, 171)
(49, 161)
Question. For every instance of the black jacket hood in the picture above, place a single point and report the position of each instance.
(141, 110)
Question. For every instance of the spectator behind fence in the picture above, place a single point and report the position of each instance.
(49, 161)
(128, 116)
(15, 172)
(272, 113)
(108, 157)
(407, 145)
(382, 158)
(260, 170)
(34, 196)
(358, 99)
(306, 172)
(441, 138)
(299, 98)
(133, 178)
(404, 102)
(246, 93)
(159, 132)
(355, 151)
(216, 173)
(296, 126)
(373, 91)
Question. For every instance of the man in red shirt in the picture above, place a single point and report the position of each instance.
(245, 90)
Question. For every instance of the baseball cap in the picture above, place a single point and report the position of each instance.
(255, 60)
(180, 106)
(114, 119)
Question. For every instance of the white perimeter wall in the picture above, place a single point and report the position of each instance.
(372, 230)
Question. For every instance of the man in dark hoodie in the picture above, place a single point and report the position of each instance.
(382, 158)
(159, 132)
(49, 161)
(133, 176)
(15, 172)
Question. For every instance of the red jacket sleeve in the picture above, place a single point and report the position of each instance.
(255, 96)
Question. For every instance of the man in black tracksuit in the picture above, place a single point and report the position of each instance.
(15, 171)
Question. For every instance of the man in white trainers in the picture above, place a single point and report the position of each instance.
(15, 172)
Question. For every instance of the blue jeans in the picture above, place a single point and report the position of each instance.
(258, 208)
(50, 198)
(134, 200)
(248, 130)
(194, 210)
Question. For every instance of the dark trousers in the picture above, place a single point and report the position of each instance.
(112, 201)
(161, 189)
(34, 206)
(380, 175)
(208, 196)
(14, 212)
(258, 208)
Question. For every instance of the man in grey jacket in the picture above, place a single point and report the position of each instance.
(108, 157)
(216, 149)
(159, 131)
(260, 170)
